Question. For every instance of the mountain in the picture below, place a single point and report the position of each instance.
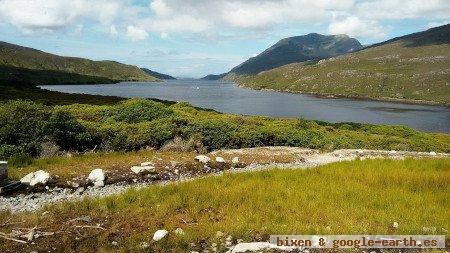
(158, 75)
(298, 49)
(213, 77)
(415, 67)
(22, 65)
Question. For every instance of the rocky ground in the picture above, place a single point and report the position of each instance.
(297, 158)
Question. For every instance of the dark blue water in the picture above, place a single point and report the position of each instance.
(226, 97)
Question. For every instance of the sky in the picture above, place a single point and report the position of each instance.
(193, 38)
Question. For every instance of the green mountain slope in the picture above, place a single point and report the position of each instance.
(158, 75)
(312, 46)
(415, 67)
(19, 63)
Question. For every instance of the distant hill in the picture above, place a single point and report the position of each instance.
(157, 75)
(414, 67)
(20, 64)
(213, 77)
(298, 49)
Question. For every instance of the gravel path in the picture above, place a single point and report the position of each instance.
(307, 158)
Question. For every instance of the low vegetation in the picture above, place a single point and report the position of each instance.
(32, 129)
(415, 68)
(371, 194)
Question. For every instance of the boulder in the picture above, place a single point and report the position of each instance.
(235, 160)
(160, 234)
(220, 159)
(35, 178)
(143, 169)
(97, 176)
(202, 158)
(147, 164)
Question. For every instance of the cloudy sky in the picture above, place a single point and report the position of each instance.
(192, 38)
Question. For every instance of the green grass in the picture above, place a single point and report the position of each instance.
(359, 197)
(393, 70)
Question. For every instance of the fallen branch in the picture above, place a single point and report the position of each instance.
(86, 226)
(11, 239)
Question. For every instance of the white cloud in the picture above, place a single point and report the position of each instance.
(356, 27)
(35, 15)
(113, 31)
(136, 33)
(403, 9)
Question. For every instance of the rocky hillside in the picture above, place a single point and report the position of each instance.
(298, 49)
(414, 67)
(24, 65)
(158, 75)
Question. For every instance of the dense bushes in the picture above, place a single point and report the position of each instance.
(27, 128)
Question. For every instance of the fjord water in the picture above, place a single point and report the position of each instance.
(227, 97)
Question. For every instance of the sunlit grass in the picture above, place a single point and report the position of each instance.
(359, 197)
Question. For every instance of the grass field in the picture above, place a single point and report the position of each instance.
(359, 197)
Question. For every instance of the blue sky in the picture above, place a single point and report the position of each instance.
(192, 38)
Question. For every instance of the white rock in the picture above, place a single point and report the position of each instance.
(142, 169)
(35, 178)
(432, 153)
(235, 160)
(97, 176)
(258, 246)
(179, 231)
(160, 234)
(99, 183)
(144, 245)
(392, 152)
(27, 179)
(202, 158)
(395, 225)
(220, 159)
(147, 164)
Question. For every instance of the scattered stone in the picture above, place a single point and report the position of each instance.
(432, 153)
(395, 225)
(143, 169)
(392, 152)
(179, 231)
(35, 178)
(147, 164)
(202, 158)
(229, 241)
(97, 176)
(160, 234)
(144, 245)
(114, 243)
(31, 234)
(220, 159)
(235, 160)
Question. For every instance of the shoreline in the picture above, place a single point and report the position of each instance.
(361, 98)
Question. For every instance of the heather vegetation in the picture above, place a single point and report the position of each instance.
(27, 128)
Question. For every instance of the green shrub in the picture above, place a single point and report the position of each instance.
(138, 110)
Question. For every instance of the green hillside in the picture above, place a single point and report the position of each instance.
(415, 67)
(22, 65)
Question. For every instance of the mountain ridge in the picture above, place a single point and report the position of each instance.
(158, 75)
(411, 68)
(312, 46)
(15, 57)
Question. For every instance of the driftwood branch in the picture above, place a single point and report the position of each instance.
(86, 226)
(4, 236)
